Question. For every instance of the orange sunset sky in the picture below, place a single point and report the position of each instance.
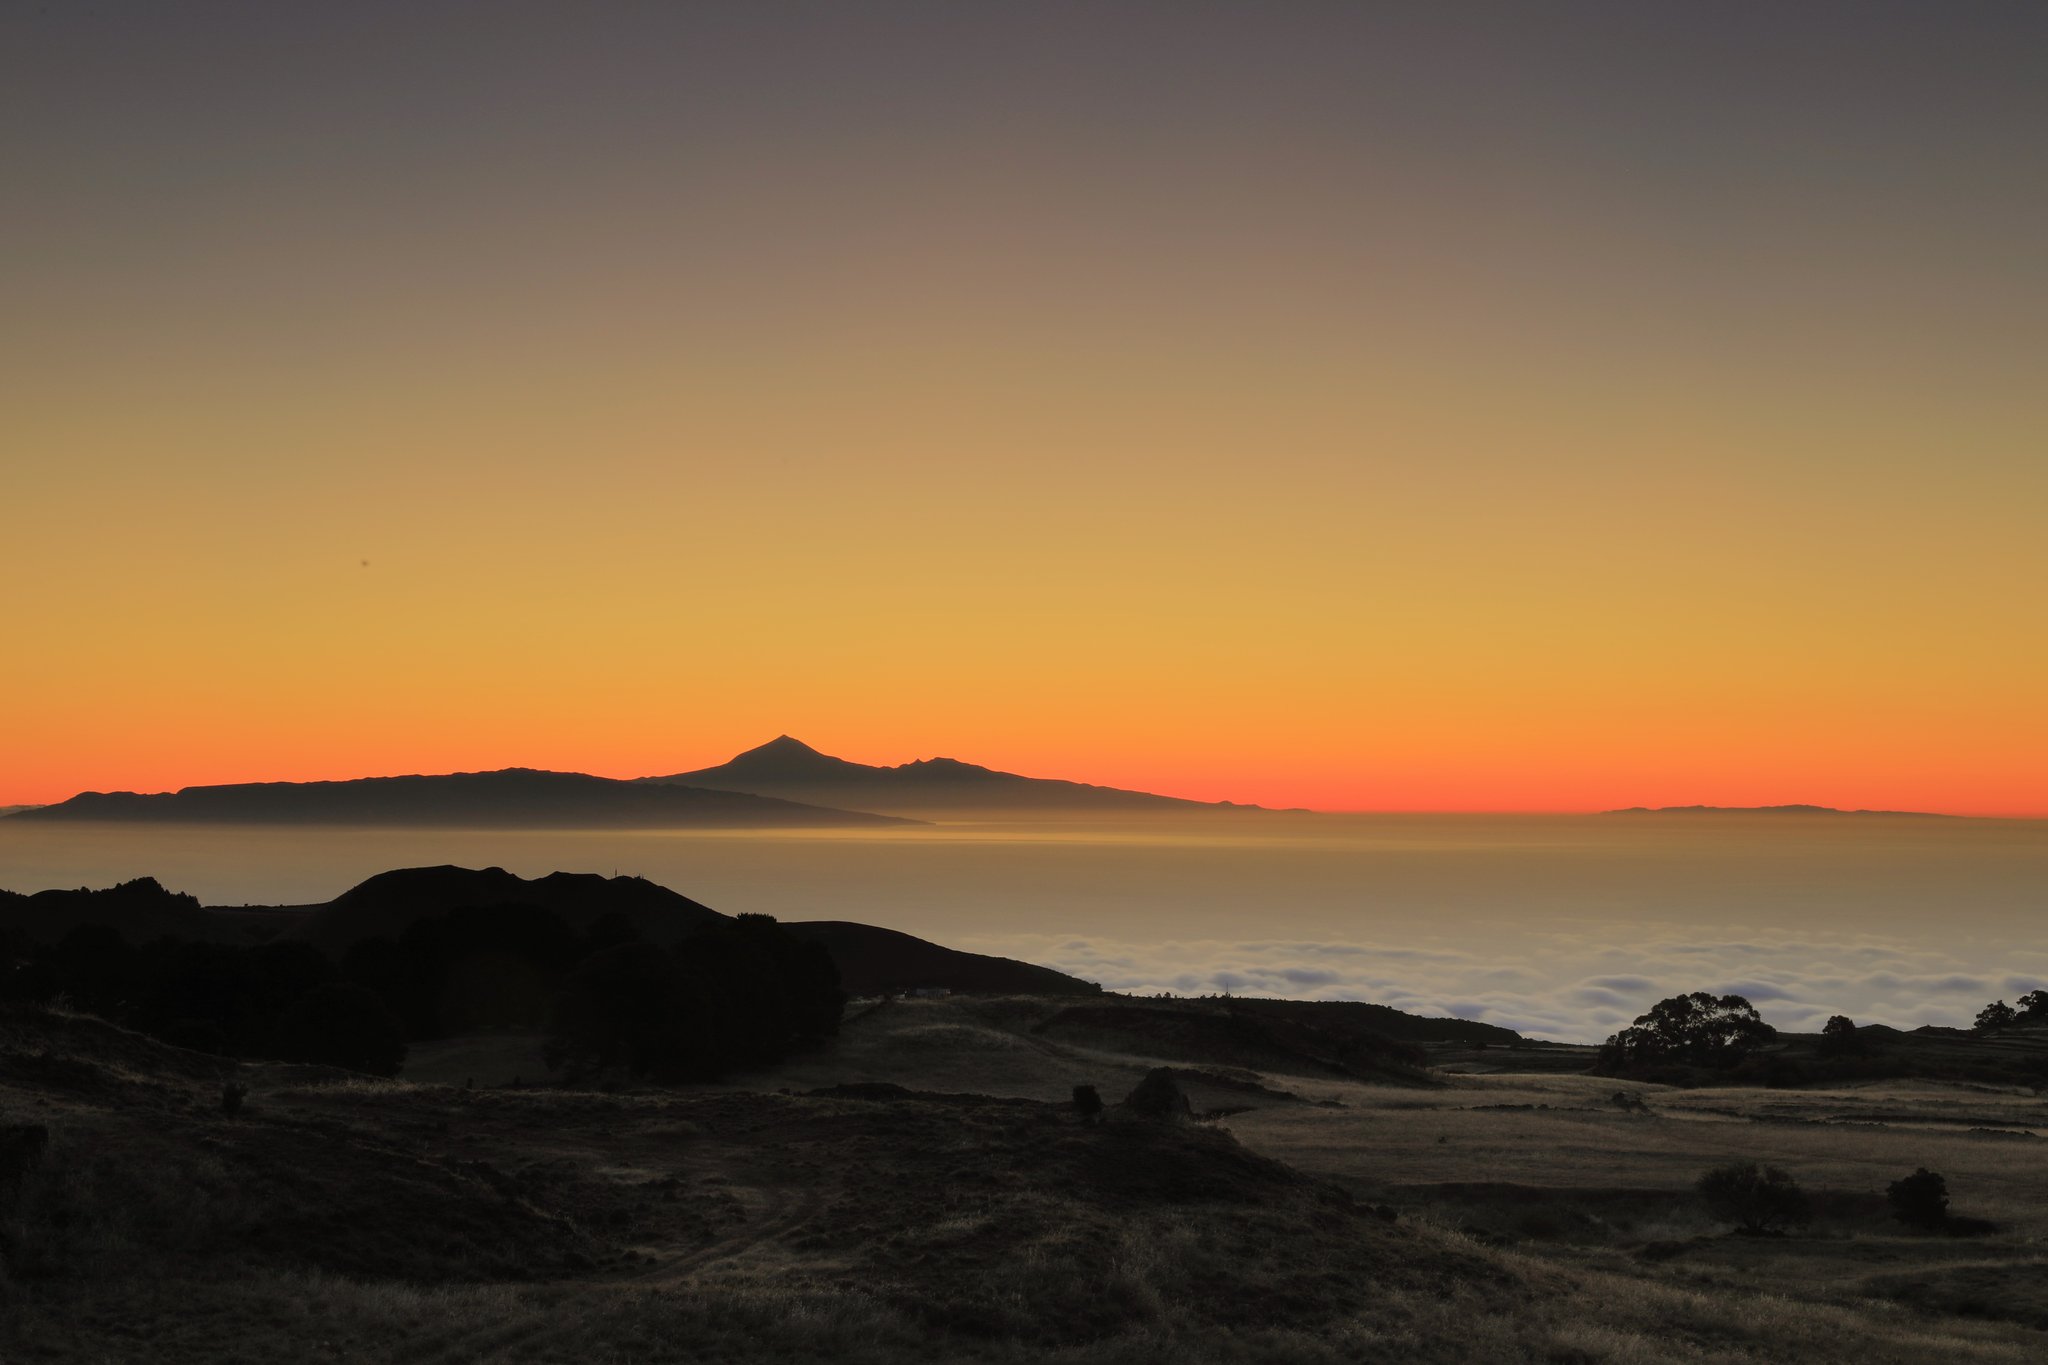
(1359, 407)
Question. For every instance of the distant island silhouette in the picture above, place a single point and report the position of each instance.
(792, 770)
(521, 798)
(1773, 810)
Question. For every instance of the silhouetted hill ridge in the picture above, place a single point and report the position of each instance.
(139, 910)
(872, 960)
(385, 905)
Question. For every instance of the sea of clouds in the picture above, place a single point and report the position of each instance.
(1563, 986)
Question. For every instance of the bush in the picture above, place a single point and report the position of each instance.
(1920, 1200)
(1759, 1200)
(342, 1024)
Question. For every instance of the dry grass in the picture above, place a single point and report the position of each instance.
(424, 1224)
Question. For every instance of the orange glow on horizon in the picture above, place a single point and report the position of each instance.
(1329, 407)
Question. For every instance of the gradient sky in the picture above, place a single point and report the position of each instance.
(1363, 406)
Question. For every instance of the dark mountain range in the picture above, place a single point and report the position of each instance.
(790, 769)
(510, 798)
(1772, 810)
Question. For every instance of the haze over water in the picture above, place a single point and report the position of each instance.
(1561, 926)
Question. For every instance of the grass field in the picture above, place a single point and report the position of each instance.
(1533, 1219)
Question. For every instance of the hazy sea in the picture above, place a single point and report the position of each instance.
(1561, 926)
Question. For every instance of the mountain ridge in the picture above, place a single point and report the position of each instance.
(498, 798)
(790, 769)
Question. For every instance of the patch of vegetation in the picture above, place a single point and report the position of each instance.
(1698, 1030)
(1920, 1200)
(1759, 1200)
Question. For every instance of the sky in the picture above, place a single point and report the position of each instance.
(1362, 406)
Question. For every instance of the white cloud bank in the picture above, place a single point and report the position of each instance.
(1558, 986)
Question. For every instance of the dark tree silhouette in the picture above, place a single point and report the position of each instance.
(2033, 1007)
(1995, 1016)
(1757, 1199)
(1838, 1035)
(1920, 1200)
(1694, 1030)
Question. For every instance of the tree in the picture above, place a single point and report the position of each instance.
(1838, 1034)
(1696, 1030)
(1920, 1200)
(342, 1024)
(2033, 1007)
(1995, 1016)
(1758, 1199)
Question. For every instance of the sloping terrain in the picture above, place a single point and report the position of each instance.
(335, 1218)
(946, 1224)
(872, 959)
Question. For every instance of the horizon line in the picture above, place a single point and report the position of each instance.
(1640, 808)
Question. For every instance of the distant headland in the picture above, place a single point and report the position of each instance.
(1776, 810)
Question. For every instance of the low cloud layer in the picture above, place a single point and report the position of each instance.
(1559, 986)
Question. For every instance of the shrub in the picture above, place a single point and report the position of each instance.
(1920, 1200)
(1088, 1103)
(1757, 1199)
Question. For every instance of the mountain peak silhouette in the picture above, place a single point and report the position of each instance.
(789, 769)
(785, 746)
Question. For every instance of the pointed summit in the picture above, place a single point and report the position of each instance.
(788, 759)
(782, 746)
(791, 770)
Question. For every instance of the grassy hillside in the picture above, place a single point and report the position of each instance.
(342, 1219)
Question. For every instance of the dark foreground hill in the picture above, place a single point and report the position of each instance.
(359, 1221)
(138, 911)
(337, 1218)
(513, 798)
(385, 906)
(789, 768)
